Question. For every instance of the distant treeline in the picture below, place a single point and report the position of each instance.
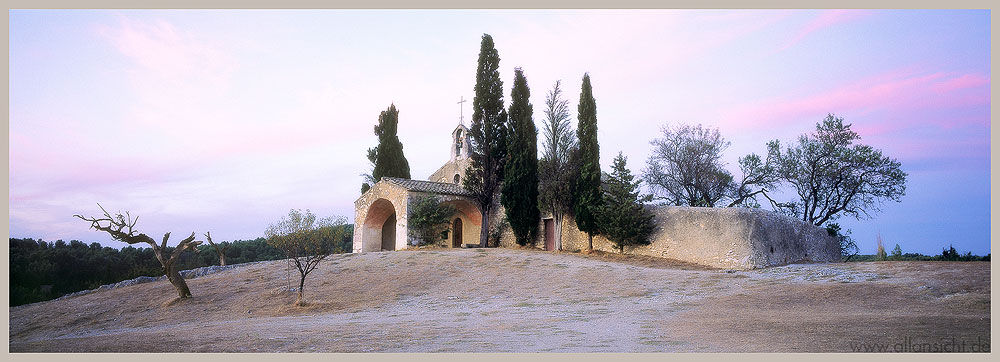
(948, 254)
(41, 270)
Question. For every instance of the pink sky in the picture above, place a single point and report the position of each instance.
(221, 121)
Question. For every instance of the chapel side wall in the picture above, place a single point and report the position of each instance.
(722, 237)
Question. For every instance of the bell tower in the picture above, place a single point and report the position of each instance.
(460, 143)
(458, 154)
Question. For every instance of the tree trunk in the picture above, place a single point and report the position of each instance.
(222, 259)
(558, 224)
(590, 242)
(178, 282)
(302, 284)
(484, 231)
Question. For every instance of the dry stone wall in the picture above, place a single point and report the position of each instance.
(732, 238)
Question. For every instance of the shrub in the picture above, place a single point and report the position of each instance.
(949, 254)
(848, 248)
(429, 219)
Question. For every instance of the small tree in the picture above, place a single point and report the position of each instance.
(429, 218)
(833, 176)
(122, 228)
(587, 192)
(624, 219)
(305, 240)
(848, 248)
(880, 251)
(897, 253)
(219, 248)
(387, 158)
(519, 194)
(555, 169)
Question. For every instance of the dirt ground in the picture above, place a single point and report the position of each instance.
(503, 300)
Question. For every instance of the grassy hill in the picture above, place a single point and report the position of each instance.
(503, 300)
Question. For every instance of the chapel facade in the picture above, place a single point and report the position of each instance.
(381, 213)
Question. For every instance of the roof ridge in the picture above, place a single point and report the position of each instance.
(427, 186)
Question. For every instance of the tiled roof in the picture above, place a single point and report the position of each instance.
(428, 186)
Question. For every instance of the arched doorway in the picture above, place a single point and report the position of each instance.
(456, 232)
(379, 230)
(389, 233)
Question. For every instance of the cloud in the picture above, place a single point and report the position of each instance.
(899, 90)
(824, 20)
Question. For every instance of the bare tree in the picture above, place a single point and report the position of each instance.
(685, 167)
(305, 240)
(122, 228)
(219, 248)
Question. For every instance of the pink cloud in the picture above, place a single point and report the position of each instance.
(825, 19)
(897, 91)
(163, 50)
(963, 82)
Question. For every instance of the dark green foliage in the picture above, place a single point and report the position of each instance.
(42, 270)
(519, 195)
(950, 254)
(587, 195)
(833, 176)
(488, 135)
(428, 218)
(624, 219)
(897, 253)
(947, 254)
(387, 158)
(848, 248)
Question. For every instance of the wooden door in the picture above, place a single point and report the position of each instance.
(456, 232)
(550, 240)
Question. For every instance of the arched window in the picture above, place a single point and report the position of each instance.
(457, 179)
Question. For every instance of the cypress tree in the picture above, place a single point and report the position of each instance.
(556, 171)
(587, 198)
(519, 195)
(388, 155)
(624, 219)
(488, 135)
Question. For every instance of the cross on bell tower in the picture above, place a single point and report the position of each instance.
(461, 113)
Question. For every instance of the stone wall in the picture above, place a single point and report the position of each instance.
(736, 238)
(448, 171)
